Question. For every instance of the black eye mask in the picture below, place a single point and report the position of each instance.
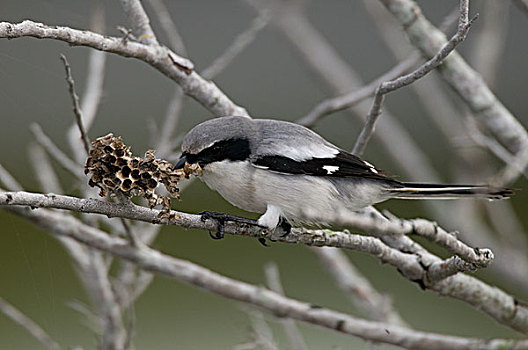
(232, 149)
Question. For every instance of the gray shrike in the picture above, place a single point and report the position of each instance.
(287, 171)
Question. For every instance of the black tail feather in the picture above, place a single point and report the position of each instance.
(437, 191)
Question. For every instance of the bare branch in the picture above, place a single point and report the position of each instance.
(172, 118)
(522, 5)
(490, 40)
(513, 169)
(56, 153)
(332, 69)
(22, 320)
(97, 283)
(274, 303)
(8, 181)
(463, 27)
(93, 89)
(430, 93)
(167, 62)
(363, 295)
(480, 257)
(261, 333)
(297, 342)
(43, 170)
(239, 44)
(499, 151)
(172, 33)
(335, 104)
(415, 264)
(76, 108)
(140, 21)
(459, 75)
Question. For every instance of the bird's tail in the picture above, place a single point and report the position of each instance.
(434, 191)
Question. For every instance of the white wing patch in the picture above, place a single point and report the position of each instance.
(305, 152)
(372, 168)
(330, 169)
(260, 166)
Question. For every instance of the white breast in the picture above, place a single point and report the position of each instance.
(253, 189)
(301, 198)
(235, 182)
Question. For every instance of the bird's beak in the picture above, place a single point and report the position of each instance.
(181, 162)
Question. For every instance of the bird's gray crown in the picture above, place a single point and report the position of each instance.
(208, 133)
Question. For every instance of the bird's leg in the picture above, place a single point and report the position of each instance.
(285, 226)
(221, 219)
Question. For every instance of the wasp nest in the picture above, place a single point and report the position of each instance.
(115, 170)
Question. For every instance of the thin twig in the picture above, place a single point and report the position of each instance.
(522, 5)
(43, 169)
(167, 24)
(513, 169)
(25, 322)
(8, 181)
(490, 40)
(364, 296)
(332, 69)
(242, 41)
(437, 104)
(389, 86)
(93, 89)
(130, 234)
(297, 342)
(335, 104)
(76, 107)
(261, 333)
(467, 83)
(55, 152)
(493, 146)
(170, 125)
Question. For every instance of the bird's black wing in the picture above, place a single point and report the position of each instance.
(342, 164)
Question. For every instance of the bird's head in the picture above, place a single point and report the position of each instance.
(219, 139)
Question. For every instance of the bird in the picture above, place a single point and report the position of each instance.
(292, 175)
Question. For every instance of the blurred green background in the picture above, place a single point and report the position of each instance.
(267, 78)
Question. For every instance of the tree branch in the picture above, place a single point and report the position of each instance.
(237, 46)
(76, 107)
(164, 60)
(22, 320)
(93, 89)
(151, 260)
(332, 69)
(363, 295)
(271, 270)
(335, 104)
(467, 83)
(463, 27)
(415, 264)
(479, 257)
(55, 152)
(140, 21)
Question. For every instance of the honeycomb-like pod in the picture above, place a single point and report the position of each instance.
(114, 170)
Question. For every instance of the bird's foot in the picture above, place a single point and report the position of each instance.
(285, 226)
(221, 219)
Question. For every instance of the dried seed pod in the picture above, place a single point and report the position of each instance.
(114, 169)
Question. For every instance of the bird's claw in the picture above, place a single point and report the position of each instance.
(221, 219)
(218, 235)
(285, 226)
(262, 241)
